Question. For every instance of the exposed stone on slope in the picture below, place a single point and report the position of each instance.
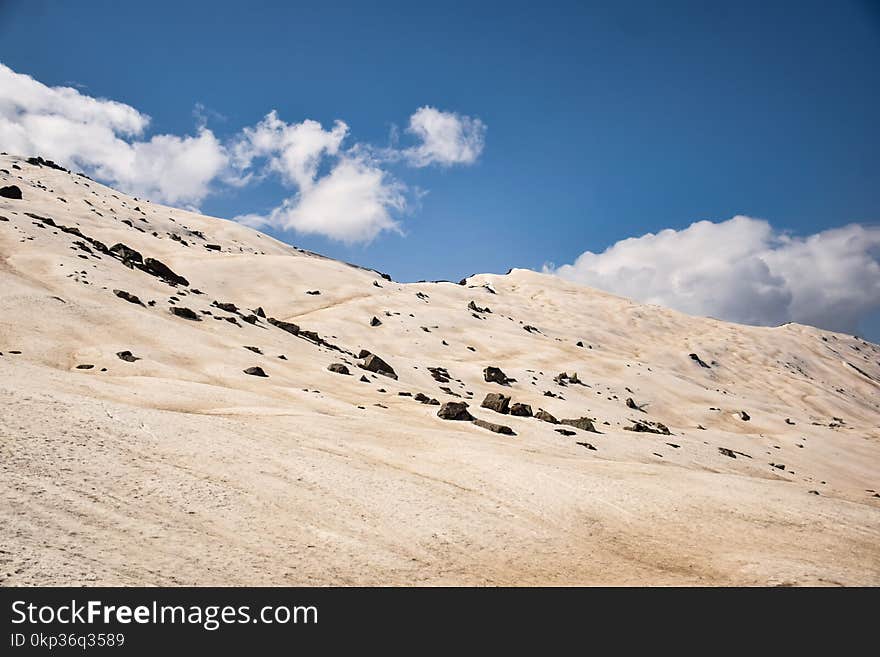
(127, 356)
(545, 416)
(293, 329)
(12, 192)
(582, 423)
(521, 410)
(338, 368)
(256, 371)
(497, 402)
(493, 374)
(373, 363)
(455, 411)
(491, 426)
(646, 426)
(161, 270)
(185, 313)
(131, 298)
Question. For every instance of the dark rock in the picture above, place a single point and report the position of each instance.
(84, 366)
(727, 452)
(744, 416)
(440, 374)
(477, 309)
(545, 416)
(256, 350)
(698, 360)
(495, 375)
(404, 394)
(12, 191)
(582, 423)
(258, 312)
(127, 356)
(375, 322)
(565, 432)
(313, 292)
(789, 421)
(185, 313)
(256, 371)
(630, 403)
(580, 343)
(491, 426)
(228, 307)
(587, 445)
(161, 270)
(521, 410)
(339, 368)
(373, 363)
(531, 329)
(364, 379)
(497, 402)
(212, 247)
(363, 353)
(250, 319)
(455, 411)
(293, 329)
(131, 298)
(645, 426)
(424, 399)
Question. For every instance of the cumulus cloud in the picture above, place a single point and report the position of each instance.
(340, 191)
(447, 138)
(744, 271)
(102, 137)
(353, 202)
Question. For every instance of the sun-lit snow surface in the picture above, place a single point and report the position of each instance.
(179, 468)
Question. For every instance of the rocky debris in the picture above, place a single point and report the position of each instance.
(422, 295)
(258, 311)
(531, 329)
(646, 426)
(477, 309)
(491, 426)
(732, 452)
(544, 416)
(564, 378)
(440, 374)
(313, 292)
(449, 391)
(12, 191)
(128, 296)
(745, 417)
(84, 366)
(582, 423)
(212, 247)
(630, 403)
(256, 350)
(127, 356)
(40, 162)
(788, 420)
(310, 335)
(293, 329)
(161, 270)
(521, 410)
(228, 307)
(565, 432)
(815, 492)
(495, 375)
(778, 466)
(363, 379)
(256, 371)
(698, 360)
(339, 368)
(587, 445)
(375, 321)
(373, 363)
(497, 402)
(424, 399)
(185, 313)
(404, 394)
(455, 411)
(363, 353)
(250, 319)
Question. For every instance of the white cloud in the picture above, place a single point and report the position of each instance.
(340, 192)
(744, 271)
(447, 138)
(100, 136)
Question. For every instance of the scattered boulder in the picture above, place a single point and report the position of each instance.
(363, 379)
(646, 426)
(127, 356)
(250, 319)
(259, 312)
(256, 350)
(440, 374)
(423, 398)
(630, 403)
(565, 432)
(375, 321)
(212, 247)
(521, 410)
(477, 309)
(491, 426)
(227, 307)
(745, 417)
(727, 452)
(131, 298)
(84, 366)
(582, 423)
(497, 402)
(545, 416)
(495, 375)
(531, 329)
(363, 353)
(699, 361)
(185, 313)
(455, 411)
(12, 191)
(293, 329)
(313, 292)
(161, 270)
(339, 368)
(256, 371)
(788, 420)
(373, 363)
(128, 255)
(587, 445)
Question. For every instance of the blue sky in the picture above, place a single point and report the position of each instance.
(603, 121)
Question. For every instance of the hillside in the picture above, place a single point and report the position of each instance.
(137, 450)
